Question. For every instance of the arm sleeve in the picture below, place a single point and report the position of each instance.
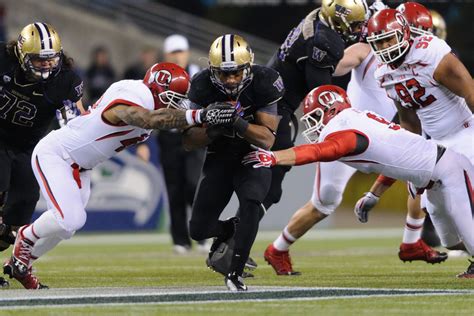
(332, 148)
(316, 77)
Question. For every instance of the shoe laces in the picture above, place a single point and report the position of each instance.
(24, 251)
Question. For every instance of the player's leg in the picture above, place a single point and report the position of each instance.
(450, 203)
(65, 215)
(6, 159)
(173, 161)
(213, 194)
(330, 181)
(251, 186)
(413, 247)
(44, 245)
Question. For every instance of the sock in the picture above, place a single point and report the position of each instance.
(29, 232)
(412, 231)
(44, 245)
(284, 241)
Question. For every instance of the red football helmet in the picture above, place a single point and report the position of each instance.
(169, 84)
(418, 18)
(388, 35)
(320, 106)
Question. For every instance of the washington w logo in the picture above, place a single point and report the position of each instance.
(163, 78)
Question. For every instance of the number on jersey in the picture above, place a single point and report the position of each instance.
(412, 94)
(380, 119)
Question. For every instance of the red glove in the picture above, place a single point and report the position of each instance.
(260, 158)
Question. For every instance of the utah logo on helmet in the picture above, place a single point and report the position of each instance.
(163, 78)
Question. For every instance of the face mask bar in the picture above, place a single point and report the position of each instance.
(390, 54)
(171, 99)
(40, 72)
(314, 125)
(247, 77)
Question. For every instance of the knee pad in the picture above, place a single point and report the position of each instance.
(327, 199)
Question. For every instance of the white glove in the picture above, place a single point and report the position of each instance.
(67, 113)
(364, 205)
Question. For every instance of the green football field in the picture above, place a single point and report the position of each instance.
(344, 272)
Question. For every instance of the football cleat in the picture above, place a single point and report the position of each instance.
(279, 260)
(28, 279)
(251, 264)
(421, 251)
(220, 259)
(235, 282)
(4, 283)
(469, 273)
(21, 257)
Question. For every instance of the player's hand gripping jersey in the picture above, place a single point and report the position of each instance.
(90, 139)
(440, 111)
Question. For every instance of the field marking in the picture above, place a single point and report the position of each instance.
(21, 299)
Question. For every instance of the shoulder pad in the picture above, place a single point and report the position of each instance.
(201, 88)
(268, 85)
(427, 49)
(326, 48)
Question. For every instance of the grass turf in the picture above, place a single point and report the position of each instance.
(88, 261)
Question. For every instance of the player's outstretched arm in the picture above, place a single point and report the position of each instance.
(452, 74)
(354, 55)
(157, 119)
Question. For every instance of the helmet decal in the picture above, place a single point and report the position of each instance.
(163, 78)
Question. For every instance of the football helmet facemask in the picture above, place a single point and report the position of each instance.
(320, 106)
(439, 25)
(388, 35)
(346, 17)
(230, 63)
(169, 84)
(39, 50)
(418, 18)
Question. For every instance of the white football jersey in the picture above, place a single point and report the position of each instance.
(365, 93)
(440, 111)
(392, 150)
(90, 139)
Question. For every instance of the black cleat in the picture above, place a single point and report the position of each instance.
(4, 283)
(221, 258)
(235, 282)
(251, 264)
(469, 273)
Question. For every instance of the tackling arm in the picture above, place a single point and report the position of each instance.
(138, 116)
(354, 55)
(452, 74)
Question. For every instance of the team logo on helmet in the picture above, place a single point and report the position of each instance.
(342, 12)
(328, 98)
(400, 19)
(163, 78)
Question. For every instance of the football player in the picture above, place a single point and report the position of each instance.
(254, 90)
(371, 144)
(307, 59)
(124, 115)
(429, 85)
(37, 80)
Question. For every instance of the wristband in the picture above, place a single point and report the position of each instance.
(193, 117)
(240, 126)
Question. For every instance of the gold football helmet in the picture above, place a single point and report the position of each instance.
(439, 25)
(346, 17)
(230, 62)
(39, 50)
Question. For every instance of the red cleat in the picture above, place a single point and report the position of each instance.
(421, 251)
(469, 273)
(21, 256)
(279, 260)
(28, 279)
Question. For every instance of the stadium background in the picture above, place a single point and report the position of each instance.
(130, 195)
